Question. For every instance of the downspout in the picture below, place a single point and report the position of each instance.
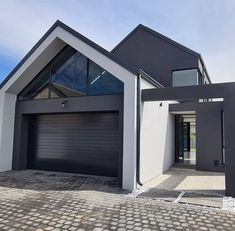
(138, 130)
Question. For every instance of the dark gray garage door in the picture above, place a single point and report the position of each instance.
(86, 143)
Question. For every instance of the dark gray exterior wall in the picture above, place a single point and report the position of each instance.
(209, 137)
(24, 109)
(211, 115)
(155, 56)
(229, 127)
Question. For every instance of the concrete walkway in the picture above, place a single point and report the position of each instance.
(44, 201)
(189, 186)
(187, 179)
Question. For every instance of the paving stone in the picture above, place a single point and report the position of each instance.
(45, 201)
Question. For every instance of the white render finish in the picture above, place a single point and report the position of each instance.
(7, 118)
(38, 59)
(156, 138)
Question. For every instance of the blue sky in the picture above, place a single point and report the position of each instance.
(206, 26)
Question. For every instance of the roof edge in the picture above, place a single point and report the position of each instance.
(149, 78)
(125, 39)
(77, 35)
(159, 35)
(165, 38)
(204, 66)
(29, 53)
(169, 40)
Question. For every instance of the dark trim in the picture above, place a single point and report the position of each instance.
(222, 138)
(43, 69)
(50, 84)
(150, 79)
(166, 39)
(138, 131)
(125, 39)
(78, 36)
(74, 104)
(204, 67)
(29, 54)
(25, 110)
(184, 107)
(157, 34)
(210, 91)
(187, 124)
(176, 138)
(87, 75)
(186, 69)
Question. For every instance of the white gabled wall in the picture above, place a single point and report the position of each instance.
(156, 138)
(34, 64)
(129, 120)
(7, 118)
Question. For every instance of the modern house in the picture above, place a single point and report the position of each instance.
(131, 113)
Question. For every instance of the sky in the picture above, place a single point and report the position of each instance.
(206, 26)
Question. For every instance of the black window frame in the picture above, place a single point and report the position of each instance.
(49, 83)
(185, 69)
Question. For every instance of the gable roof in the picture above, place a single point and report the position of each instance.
(82, 38)
(161, 36)
(166, 39)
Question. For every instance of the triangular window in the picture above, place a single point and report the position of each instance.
(71, 74)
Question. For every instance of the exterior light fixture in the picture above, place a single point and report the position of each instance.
(160, 105)
(63, 103)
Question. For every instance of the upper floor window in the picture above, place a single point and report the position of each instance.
(71, 74)
(185, 77)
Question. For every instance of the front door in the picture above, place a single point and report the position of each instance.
(185, 139)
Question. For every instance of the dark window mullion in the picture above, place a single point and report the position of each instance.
(87, 77)
(50, 80)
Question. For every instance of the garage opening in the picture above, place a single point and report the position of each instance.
(86, 143)
(69, 118)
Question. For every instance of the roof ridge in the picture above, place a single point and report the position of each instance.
(58, 23)
(157, 34)
(167, 39)
(125, 39)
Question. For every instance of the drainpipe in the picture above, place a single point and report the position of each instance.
(138, 130)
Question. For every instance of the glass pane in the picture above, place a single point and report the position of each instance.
(44, 94)
(102, 82)
(185, 78)
(70, 78)
(36, 86)
(54, 95)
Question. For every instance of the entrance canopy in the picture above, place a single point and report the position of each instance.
(215, 120)
(220, 90)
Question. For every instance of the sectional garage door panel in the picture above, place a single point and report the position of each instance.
(85, 143)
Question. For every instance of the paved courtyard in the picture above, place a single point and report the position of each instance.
(37, 200)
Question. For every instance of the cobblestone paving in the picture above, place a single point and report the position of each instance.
(34, 200)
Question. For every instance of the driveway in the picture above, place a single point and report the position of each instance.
(38, 200)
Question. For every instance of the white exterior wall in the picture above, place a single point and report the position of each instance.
(7, 118)
(47, 50)
(156, 138)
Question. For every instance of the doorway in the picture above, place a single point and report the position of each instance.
(185, 139)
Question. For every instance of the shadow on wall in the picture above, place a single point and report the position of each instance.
(157, 140)
(169, 146)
